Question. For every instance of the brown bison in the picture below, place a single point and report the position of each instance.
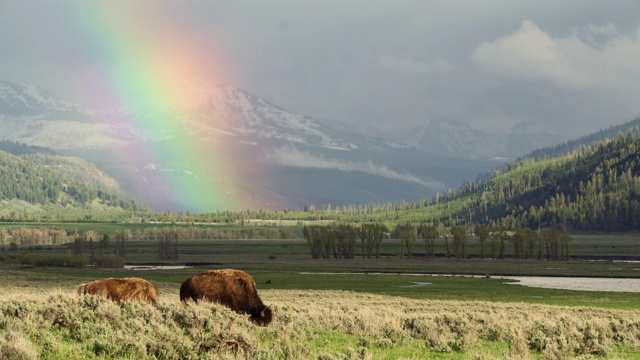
(125, 289)
(232, 288)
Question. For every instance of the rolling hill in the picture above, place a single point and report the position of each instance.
(28, 188)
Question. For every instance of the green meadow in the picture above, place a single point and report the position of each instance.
(379, 308)
(389, 278)
(318, 315)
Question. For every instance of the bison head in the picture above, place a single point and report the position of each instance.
(262, 317)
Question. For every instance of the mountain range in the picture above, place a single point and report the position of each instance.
(295, 160)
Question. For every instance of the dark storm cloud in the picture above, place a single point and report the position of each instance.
(388, 64)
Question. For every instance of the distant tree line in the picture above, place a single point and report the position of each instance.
(33, 236)
(110, 250)
(56, 236)
(195, 232)
(339, 241)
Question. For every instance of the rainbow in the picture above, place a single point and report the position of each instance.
(142, 60)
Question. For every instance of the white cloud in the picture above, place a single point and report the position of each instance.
(410, 66)
(293, 157)
(577, 61)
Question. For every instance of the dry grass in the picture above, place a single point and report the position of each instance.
(449, 326)
(50, 321)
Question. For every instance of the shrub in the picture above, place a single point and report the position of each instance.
(109, 261)
(61, 261)
(360, 325)
(76, 261)
(13, 345)
(29, 259)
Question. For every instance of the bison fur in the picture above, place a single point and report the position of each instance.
(234, 289)
(123, 289)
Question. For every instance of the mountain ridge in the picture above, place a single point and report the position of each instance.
(22, 98)
(302, 161)
(286, 145)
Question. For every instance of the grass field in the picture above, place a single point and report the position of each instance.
(40, 316)
(586, 246)
(459, 288)
(294, 254)
(324, 309)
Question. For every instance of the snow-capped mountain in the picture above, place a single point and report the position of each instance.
(23, 99)
(231, 110)
(301, 160)
(30, 115)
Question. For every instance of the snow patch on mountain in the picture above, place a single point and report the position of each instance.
(30, 115)
(27, 99)
(231, 110)
(66, 135)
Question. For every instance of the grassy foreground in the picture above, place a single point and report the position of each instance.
(41, 317)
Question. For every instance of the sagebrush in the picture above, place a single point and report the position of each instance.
(61, 325)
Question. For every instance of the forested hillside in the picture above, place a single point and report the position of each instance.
(597, 188)
(27, 181)
(594, 189)
(76, 169)
(17, 148)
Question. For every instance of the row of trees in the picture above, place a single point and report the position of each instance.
(339, 241)
(91, 244)
(184, 232)
(550, 243)
(33, 236)
(56, 236)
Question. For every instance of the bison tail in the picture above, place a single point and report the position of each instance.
(80, 288)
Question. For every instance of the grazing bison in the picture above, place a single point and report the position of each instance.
(125, 289)
(232, 288)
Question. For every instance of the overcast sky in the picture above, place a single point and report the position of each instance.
(573, 66)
